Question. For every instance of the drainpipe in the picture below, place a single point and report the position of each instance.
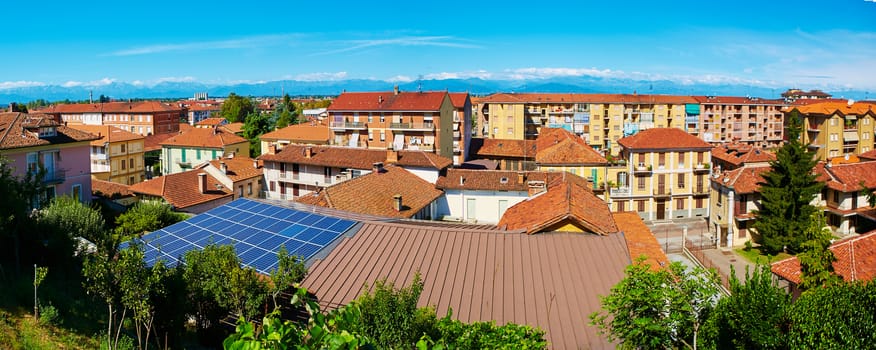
(730, 218)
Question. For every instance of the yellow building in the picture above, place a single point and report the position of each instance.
(836, 129)
(117, 156)
(666, 177)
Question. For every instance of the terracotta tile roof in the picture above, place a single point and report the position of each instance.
(301, 133)
(567, 200)
(204, 138)
(211, 122)
(586, 98)
(153, 142)
(743, 180)
(798, 92)
(739, 154)
(239, 167)
(489, 148)
(640, 239)
(830, 108)
(663, 138)
(869, 155)
(458, 99)
(373, 194)
(108, 189)
(855, 260)
(389, 101)
(492, 180)
(356, 158)
(848, 177)
(559, 146)
(551, 281)
(14, 134)
(204, 107)
(115, 134)
(738, 100)
(810, 101)
(234, 128)
(181, 189)
(113, 107)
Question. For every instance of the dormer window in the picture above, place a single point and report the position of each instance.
(48, 131)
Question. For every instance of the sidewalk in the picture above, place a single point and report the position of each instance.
(724, 259)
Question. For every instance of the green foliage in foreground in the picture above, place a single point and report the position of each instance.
(146, 217)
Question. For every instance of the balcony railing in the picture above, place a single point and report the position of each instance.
(347, 125)
(283, 175)
(619, 192)
(662, 192)
(57, 176)
(412, 126)
(701, 168)
(641, 169)
(700, 190)
(99, 156)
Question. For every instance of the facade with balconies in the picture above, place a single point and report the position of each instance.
(37, 144)
(197, 146)
(748, 120)
(836, 129)
(666, 175)
(118, 156)
(421, 121)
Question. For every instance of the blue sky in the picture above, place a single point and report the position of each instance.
(821, 44)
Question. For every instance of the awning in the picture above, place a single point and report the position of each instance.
(354, 140)
(691, 108)
(398, 142)
(850, 136)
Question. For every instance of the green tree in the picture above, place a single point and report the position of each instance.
(455, 334)
(816, 259)
(754, 315)
(786, 192)
(69, 215)
(840, 316)
(658, 308)
(286, 113)
(290, 270)
(18, 194)
(236, 108)
(255, 125)
(391, 318)
(146, 217)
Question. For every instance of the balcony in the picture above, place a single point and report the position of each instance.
(347, 125)
(700, 190)
(662, 193)
(642, 170)
(561, 111)
(412, 126)
(420, 147)
(99, 156)
(701, 168)
(619, 192)
(55, 177)
(287, 176)
(184, 163)
(456, 134)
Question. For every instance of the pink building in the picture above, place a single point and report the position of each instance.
(34, 141)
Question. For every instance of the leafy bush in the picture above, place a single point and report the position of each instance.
(146, 217)
(48, 315)
(483, 335)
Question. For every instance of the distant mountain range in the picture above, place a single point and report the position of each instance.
(579, 84)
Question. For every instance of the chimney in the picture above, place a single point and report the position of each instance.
(377, 167)
(397, 202)
(13, 107)
(202, 183)
(391, 156)
(272, 149)
(223, 167)
(308, 152)
(395, 90)
(255, 163)
(462, 180)
(379, 99)
(520, 178)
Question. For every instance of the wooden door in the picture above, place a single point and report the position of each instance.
(661, 210)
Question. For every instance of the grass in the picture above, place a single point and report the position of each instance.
(757, 256)
(21, 331)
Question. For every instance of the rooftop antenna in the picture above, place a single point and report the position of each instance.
(90, 96)
(420, 83)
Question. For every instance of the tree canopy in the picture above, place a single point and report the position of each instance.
(787, 191)
(236, 108)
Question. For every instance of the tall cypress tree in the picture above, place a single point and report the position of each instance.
(786, 193)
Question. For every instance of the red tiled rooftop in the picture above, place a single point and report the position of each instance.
(109, 189)
(239, 167)
(492, 180)
(373, 193)
(204, 138)
(566, 201)
(867, 156)
(234, 128)
(738, 154)
(181, 190)
(211, 122)
(490, 148)
(108, 134)
(13, 134)
(389, 101)
(848, 177)
(356, 158)
(663, 139)
(302, 133)
(743, 180)
(559, 146)
(831, 108)
(458, 99)
(855, 260)
(640, 240)
(113, 107)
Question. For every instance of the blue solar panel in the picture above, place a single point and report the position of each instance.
(256, 230)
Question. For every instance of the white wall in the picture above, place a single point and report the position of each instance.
(454, 204)
(428, 174)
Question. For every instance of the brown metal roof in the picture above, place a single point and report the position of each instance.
(552, 280)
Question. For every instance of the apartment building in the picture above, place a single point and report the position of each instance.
(792, 95)
(601, 119)
(34, 142)
(117, 156)
(197, 111)
(240, 174)
(398, 120)
(462, 125)
(297, 170)
(749, 120)
(194, 147)
(144, 118)
(733, 195)
(666, 175)
(844, 201)
(734, 155)
(302, 134)
(836, 129)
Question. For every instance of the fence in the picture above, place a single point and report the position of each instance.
(696, 252)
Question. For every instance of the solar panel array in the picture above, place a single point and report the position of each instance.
(256, 230)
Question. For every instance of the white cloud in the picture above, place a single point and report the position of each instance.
(400, 79)
(439, 41)
(552, 72)
(186, 79)
(480, 74)
(19, 84)
(101, 82)
(239, 43)
(322, 76)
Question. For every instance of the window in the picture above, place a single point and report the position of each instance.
(866, 136)
(370, 117)
(123, 148)
(832, 121)
(131, 163)
(681, 160)
(700, 156)
(32, 162)
(133, 128)
(382, 118)
(622, 179)
(503, 205)
(382, 135)
(509, 120)
(240, 191)
(834, 137)
(681, 180)
(640, 204)
(836, 197)
(198, 154)
(249, 188)
(661, 159)
(621, 206)
(866, 121)
(641, 159)
(123, 164)
(370, 135)
(641, 182)
(510, 131)
(471, 207)
(679, 204)
(273, 186)
(76, 192)
(698, 203)
(130, 180)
